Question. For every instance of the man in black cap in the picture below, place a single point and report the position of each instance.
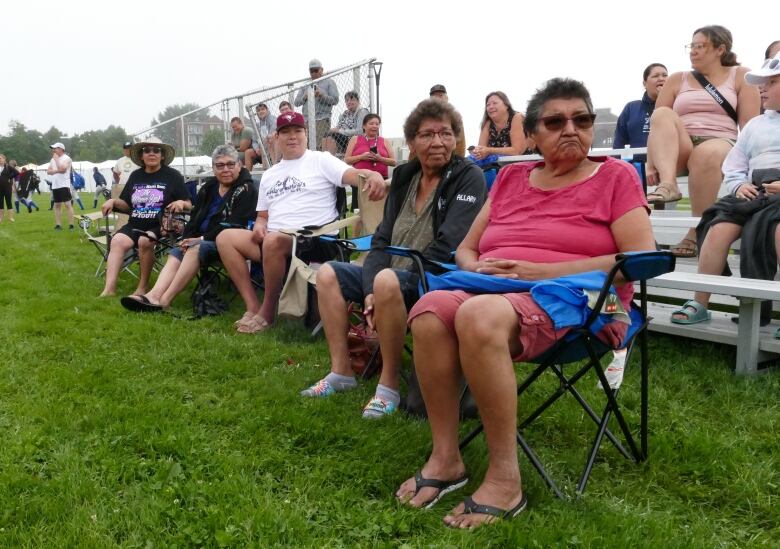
(121, 171)
(438, 91)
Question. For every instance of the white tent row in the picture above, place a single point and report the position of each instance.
(194, 165)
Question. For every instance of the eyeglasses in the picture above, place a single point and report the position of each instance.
(150, 150)
(695, 47)
(771, 63)
(557, 122)
(219, 166)
(427, 137)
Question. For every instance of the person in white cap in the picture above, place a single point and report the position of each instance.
(59, 170)
(751, 174)
(326, 94)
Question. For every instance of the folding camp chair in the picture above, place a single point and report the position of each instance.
(581, 343)
(102, 242)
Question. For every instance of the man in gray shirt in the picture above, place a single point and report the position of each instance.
(326, 94)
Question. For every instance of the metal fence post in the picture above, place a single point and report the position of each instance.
(311, 122)
(183, 149)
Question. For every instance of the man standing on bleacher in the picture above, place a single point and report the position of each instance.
(298, 191)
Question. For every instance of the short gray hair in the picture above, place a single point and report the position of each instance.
(224, 150)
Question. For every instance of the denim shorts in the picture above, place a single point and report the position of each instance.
(207, 252)
(350, 277)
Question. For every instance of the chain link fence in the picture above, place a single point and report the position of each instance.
(195, 134)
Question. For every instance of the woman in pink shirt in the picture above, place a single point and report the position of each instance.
(690, 131)
(567, 214)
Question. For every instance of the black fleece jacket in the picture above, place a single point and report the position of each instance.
(239, 207)
(458, 199)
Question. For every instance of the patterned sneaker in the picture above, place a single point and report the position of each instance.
(378, 407)
(320, 389)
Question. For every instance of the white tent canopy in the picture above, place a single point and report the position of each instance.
(189, 167)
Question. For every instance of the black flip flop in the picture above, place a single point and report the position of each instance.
(140, 304)
(443, 486)
(471, 507)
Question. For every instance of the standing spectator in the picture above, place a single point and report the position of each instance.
(633, 125)
(693, 130)
(121, 171)
(27, 183)
(148, 193)
(59, 169)
(100, 185)
(266, 125)
(438, 91)
(326, 94)
(241, 139)
(350, 123)
(7, 174)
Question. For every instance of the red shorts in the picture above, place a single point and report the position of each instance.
(537, 332)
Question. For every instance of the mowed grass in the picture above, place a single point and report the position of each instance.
(119, 429)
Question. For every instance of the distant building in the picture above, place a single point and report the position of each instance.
(196, 129)
(604, 129)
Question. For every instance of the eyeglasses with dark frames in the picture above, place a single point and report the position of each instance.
(150, 150)
(219, 166)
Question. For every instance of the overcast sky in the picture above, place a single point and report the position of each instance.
(82, 65)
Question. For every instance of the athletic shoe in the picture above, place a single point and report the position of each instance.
(320, 389)
(378, 407)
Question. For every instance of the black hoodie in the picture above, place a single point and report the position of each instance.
(457, 201)
(239, 206)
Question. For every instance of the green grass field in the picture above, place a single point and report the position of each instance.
(119, 429)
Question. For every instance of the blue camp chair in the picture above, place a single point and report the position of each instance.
(581, 344)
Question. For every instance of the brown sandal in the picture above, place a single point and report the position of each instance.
(686, 248)
(253, 325)
(662, 194)
(244, 318)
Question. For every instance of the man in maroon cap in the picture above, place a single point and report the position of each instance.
(298, 191)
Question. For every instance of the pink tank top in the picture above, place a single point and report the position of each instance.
(701, 115)
(363, 144)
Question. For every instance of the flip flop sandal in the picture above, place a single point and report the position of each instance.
(140, 304)
(683, 250)
(663, 194)
(777, 333)
(444, 487)
(693, 311)
(254, 325)
(471, 507)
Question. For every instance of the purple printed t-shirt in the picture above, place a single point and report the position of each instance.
(565, 224)
(148, 194)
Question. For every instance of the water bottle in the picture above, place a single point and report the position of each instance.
(626, 155)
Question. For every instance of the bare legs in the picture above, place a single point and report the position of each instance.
(120, 245)
(668, 148)
(390, 322)
(236, 246)
(486, 338)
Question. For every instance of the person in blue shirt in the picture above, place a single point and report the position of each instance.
(633, 125)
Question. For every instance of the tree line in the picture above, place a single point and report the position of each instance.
(26, 145)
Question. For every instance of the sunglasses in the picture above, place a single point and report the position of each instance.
(222, 165)
(771, 63)
(557, 122)
(150, 150)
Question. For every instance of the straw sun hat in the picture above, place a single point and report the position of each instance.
(168, 152)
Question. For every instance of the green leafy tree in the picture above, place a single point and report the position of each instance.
(171, 132)
(211, 140)
(24, 145)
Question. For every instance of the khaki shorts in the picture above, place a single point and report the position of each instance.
(699, 139)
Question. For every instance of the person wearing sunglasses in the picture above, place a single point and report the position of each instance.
(751, 210)
(567, 214)
(694, 125)
(148, 193)
(432, 201)
(326, 94)
(227, 199)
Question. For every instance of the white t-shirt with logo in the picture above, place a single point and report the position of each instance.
(301, 192)
(124, 167)
(61, 180)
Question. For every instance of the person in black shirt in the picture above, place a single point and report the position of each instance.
(149, 192)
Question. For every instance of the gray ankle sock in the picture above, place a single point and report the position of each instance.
(391, 397)
(386, 393)
(340, 382)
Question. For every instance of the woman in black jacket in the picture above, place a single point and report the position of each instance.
(227, 200)
(432, 201)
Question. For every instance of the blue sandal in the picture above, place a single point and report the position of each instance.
(693, 311)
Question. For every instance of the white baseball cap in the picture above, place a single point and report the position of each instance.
(57, 145)
(770, 68)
